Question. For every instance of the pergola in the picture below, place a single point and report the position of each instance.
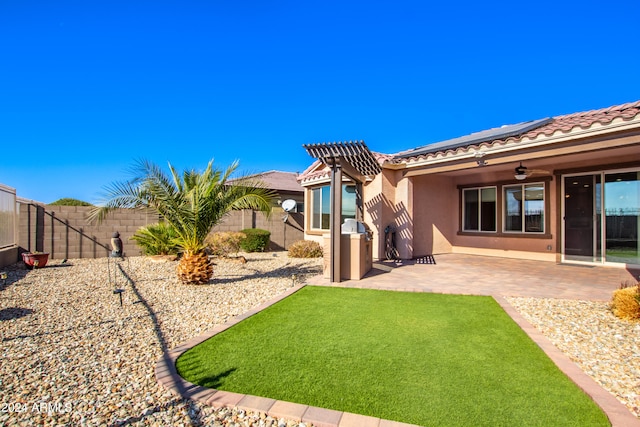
(354, 160)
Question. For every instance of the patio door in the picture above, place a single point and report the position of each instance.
(582, 231)
(602, 217)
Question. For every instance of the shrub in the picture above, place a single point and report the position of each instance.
(305, 249)
(157, 239)
(626, 302)
(223, 244)
(256, 240)
(66, 201)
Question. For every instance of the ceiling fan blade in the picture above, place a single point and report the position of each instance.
(538, 172)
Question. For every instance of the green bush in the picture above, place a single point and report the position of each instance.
(305, 249)
(256, 240)
(223, 244)
(70, 202)
(157, 239)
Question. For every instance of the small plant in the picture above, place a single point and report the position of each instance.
(305, 249)
(223, 244)
(626, 301)
(256, 240)
(157, 239)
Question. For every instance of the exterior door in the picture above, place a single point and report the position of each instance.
(602, 217)
(581, 230)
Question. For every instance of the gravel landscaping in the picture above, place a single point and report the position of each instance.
(605, 347)
(71, 355)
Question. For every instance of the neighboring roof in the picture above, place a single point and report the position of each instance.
(544, 127)
(280, 181)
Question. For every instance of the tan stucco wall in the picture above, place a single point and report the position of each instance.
(436, 215)
(423, 204)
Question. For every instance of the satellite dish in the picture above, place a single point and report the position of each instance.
(289, 205)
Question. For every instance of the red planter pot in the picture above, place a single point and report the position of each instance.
(32, 260)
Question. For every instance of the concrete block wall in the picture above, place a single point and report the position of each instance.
(65, 232)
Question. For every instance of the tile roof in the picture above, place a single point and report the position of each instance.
(280, 181)
(476, 138)
(564, 124)
(531, 130)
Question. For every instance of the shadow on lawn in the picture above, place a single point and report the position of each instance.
(215, 381)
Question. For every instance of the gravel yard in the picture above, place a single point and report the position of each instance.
(72, 355)
(605, 347)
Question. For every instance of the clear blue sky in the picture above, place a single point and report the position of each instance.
(88, 87)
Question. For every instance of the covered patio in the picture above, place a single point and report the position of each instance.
(484, 275)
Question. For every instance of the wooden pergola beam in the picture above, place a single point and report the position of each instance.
(354, 160)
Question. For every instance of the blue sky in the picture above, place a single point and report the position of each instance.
(88, 87)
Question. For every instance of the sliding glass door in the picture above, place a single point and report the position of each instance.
(601, 215)
(622, 216)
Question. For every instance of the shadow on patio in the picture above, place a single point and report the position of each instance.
(483, 275)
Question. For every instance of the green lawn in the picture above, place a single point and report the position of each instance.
(427, 359)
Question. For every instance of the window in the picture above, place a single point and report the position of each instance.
(479, 209)
(524, 208)
(321, 205)
(7, 217)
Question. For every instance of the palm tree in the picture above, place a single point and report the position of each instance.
(192, 203)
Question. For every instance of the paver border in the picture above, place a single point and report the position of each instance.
(167, 375)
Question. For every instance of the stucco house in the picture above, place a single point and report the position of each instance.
(563, 189)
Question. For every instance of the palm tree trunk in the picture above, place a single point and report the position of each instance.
(194, 268)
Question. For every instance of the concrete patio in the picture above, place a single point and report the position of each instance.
(483, 275)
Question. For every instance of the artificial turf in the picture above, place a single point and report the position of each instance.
(419, 358)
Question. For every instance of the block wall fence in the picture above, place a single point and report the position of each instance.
(65, 233)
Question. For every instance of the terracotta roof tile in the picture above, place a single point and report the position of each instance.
(564, 123)
(280, 181)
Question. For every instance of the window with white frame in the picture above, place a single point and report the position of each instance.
(321, 205)
(524, 207)
(479, 209)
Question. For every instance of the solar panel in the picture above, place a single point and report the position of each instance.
(477, 138)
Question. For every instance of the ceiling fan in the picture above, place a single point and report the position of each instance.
(522, 172)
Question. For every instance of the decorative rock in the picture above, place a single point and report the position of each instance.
(90, 362)
(604, 346)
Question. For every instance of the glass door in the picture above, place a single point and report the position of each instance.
(622, 217)
(581, 229)
(601, 214)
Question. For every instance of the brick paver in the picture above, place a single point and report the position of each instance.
(482, 275)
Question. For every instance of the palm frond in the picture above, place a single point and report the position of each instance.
(191, 202)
